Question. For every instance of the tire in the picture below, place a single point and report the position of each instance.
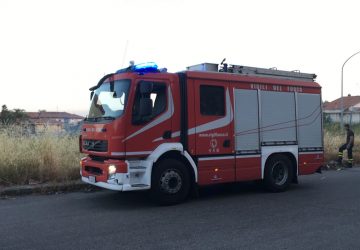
(170, 182)
(278, 173)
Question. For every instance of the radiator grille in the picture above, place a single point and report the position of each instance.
(95, 145)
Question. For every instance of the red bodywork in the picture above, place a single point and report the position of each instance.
(124, 144)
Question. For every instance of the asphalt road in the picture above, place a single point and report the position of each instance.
(322, 212)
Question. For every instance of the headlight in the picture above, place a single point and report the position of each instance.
(112, 169)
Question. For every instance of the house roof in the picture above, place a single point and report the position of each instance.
(52, 115)
(349, 101)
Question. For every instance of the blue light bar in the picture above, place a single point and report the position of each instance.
(146, 67)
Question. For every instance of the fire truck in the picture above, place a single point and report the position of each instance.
(171, 133)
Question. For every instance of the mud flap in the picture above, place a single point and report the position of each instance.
(319, 170)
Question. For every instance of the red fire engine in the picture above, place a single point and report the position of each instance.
(172, 132)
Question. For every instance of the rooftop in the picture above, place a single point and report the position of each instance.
(349, 101)
(52, 115)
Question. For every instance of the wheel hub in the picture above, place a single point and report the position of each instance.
(170, 181)
(280, 173)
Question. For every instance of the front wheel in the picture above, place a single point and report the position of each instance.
(278, 173)
(170, 182)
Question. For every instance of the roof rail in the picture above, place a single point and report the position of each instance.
(253, 71)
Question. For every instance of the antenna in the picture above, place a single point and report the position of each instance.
(224, 66)
(125, 52)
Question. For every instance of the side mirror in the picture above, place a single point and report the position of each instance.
(91, 95)
(146, 87)
(145, 108)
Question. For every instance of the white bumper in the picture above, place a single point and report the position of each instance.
(111, 186)
(137, 179)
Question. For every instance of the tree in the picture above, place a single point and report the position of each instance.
(8, 117)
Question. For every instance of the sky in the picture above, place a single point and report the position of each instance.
(53, 51)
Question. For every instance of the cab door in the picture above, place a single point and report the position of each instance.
(214, 132)
(151, 117)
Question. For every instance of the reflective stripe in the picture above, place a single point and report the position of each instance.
(117, 153)
(216, 158)
(131, 153)
(222, 122)
(246, 156)
(219, 123)
(311, 153)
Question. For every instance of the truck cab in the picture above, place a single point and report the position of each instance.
(131, 123)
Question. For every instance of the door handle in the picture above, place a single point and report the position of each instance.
(226, 144)
(167, 135)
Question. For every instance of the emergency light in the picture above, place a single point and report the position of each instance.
(146, 67)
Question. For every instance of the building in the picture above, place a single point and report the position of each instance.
(332, 110)
(53, 121)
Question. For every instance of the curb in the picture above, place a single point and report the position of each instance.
(48, 188)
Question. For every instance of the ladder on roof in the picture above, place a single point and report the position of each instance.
(253, 71)
(272, 72)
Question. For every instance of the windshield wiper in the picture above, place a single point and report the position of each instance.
(107, 118)
(96, 119)
(90, 119)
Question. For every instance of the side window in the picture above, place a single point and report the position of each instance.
(156, 95)
(212, 100)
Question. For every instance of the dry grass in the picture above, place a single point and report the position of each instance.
(42, 158)
(334, 137)
(332, 143)
(53, 158)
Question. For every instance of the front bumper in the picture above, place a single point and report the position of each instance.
(128, 176)
(107, 185)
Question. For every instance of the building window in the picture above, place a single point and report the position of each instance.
(212, 100)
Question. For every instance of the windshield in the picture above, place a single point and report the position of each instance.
(109, 100)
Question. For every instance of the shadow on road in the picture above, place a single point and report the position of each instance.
(105, 199)
(121, 200)
(125, 200)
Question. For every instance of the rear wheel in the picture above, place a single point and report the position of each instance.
(278, 173)
(170, 182)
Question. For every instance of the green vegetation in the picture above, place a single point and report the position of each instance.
(10, 117)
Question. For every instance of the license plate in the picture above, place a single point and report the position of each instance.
(92, 179)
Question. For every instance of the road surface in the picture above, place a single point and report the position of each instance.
(321, 212)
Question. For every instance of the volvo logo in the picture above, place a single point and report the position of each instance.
(95, 145)
(90, 144)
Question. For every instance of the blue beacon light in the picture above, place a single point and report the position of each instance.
(146, 67)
